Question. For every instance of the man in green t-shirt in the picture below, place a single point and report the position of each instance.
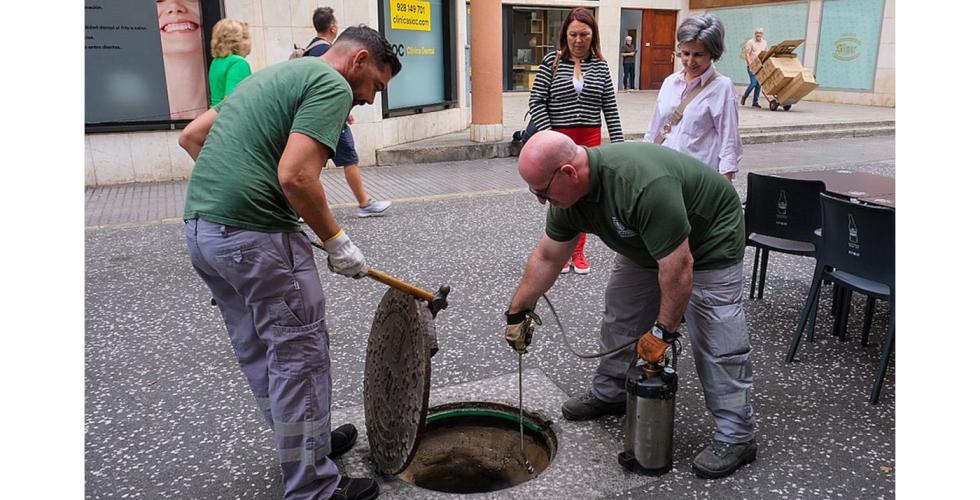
(678, 230)
(258, 156)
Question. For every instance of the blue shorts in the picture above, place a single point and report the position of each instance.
(346, 154)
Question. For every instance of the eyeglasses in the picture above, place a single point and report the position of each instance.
(543, 194)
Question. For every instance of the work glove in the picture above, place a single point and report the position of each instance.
(343, 257)
(520, 329)
(652, 347)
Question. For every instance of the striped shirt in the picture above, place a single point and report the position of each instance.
(555, 104)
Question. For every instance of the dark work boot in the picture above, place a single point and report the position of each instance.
(720, 459)
(342, 439)
(589, 407)
(356, 488)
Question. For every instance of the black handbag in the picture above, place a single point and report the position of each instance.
(532, 128)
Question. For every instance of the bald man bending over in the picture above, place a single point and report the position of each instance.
(678, 231)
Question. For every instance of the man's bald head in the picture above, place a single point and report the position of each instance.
(544, 152)
(555, 168)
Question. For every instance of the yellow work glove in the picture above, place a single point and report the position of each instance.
(520, 329)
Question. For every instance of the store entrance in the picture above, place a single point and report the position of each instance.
(529, 34)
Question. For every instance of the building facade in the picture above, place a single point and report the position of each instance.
(131, 133)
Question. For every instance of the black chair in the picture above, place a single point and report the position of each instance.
(780, 216)
(857, 252)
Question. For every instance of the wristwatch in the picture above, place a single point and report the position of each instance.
(665, 334)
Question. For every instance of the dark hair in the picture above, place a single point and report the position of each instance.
(323, 18)
(582, 15)
(369, 38)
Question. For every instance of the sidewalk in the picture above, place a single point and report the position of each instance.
(134, 204)
(804, 121)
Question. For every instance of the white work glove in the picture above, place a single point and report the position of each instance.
(343, 257)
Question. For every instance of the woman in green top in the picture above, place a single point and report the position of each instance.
(230, 43)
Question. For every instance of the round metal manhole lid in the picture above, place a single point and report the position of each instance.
(396, 381)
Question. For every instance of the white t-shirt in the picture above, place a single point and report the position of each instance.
(754, 48)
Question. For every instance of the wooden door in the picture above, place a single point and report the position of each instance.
(657, 47)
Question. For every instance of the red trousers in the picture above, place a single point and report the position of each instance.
(589, 137)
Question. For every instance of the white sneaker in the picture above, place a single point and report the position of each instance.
(374, 208)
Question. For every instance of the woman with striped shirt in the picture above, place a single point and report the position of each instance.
(572, 89)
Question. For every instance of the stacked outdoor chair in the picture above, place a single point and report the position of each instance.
(781, 215)
(857, 253)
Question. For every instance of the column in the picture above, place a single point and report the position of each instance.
(487, 66)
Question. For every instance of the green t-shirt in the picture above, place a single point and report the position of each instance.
(644, 199)
(235, 180)
(225, 74)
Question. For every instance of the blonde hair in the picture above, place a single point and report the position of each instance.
(229, 36)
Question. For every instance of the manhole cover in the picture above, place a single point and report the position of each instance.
(396, 380)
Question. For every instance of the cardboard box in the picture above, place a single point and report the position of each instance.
(801, 85)
(782, 72)
(786, 65)
(755, 65)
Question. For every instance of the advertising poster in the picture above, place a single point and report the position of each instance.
(415, 30)
(848, 52)
(144, 61)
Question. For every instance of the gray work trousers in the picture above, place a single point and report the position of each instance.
(269, 293)
(716, 330)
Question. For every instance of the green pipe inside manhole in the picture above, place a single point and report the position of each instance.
(475, 447)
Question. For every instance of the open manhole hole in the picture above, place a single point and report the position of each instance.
(475, 447)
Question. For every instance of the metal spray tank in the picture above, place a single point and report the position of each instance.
(650, 401)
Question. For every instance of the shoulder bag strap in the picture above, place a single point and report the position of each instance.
(315, 43)
(678, 113)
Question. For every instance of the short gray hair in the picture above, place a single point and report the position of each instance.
(705, 29)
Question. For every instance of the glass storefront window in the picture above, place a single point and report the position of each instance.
(532, 34)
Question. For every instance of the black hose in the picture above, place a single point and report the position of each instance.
(564, 337)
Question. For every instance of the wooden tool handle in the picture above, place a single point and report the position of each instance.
(399, 284)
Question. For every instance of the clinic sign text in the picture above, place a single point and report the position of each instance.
(411, 15)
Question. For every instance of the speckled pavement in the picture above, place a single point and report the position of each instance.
(168, 413)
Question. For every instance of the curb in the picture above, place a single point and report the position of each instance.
(466, 150)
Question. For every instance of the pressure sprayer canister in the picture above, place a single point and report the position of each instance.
(650, 402)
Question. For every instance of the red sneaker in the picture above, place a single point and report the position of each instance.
(581, 265)
(566, 268)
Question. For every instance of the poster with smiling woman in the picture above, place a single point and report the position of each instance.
(183, 57)
(144, 62)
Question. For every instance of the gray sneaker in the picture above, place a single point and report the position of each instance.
(589, 407)
(720, 459)
(374, 208)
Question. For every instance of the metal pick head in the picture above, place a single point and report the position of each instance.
(439, 300)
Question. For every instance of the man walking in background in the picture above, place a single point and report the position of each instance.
(326, 27)
(753, 47)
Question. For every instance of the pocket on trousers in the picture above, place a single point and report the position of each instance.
(239, 256)
(723, 317)
(300, 351)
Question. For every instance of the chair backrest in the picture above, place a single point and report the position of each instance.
(783, 208)
(858, 238)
